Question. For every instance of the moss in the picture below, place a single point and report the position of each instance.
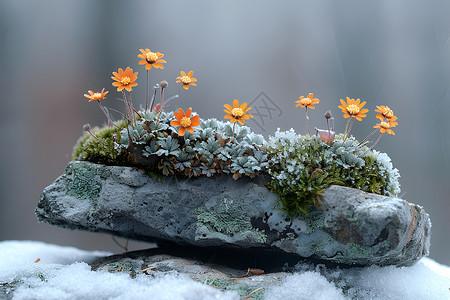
(84, 182)
(303, 166)
(104, 150)
(230, 223)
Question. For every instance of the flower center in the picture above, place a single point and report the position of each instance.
(151, 57)
(97, 96)
(125, 80)
(185, 122)
(353, 109)
(237, 112)
(306, 101)
(385, 125)
(388, 113)
(185, 79)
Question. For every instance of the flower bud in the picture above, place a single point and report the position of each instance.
(328, 114)
(86, 127)
(163, 84)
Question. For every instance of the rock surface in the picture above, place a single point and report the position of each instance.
(352, 227)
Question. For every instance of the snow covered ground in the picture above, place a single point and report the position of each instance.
(64, 273)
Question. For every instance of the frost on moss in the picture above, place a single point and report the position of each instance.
(303, 166)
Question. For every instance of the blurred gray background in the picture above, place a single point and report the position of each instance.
(268, 53)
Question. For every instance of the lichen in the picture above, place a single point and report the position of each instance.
(355, 250)
(84, 182)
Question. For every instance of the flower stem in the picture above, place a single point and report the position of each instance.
(307, 124)
(162, 99)
(232, 135)
(367, 137)
(178, 99)
(349, 129)
(373, 144)
(146, 95)
(153, 99)
(110, 122)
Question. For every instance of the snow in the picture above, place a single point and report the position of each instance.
(63, 273)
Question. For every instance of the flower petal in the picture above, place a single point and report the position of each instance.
(182, 73)
(182, 131)
(185, 86)
(227, 106)
(190, 73)
(242, 122)
(189, 112)
(235, 103)
(190, 129)
(175, 123)
(311, 95)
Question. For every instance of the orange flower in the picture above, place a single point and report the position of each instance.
(386, 127)
(353, 109)
(150, 59)
(185, 121)
(385, 113)
(124, 79)
(237, 113)
(96, 96)
(307, 102)
(187, 80)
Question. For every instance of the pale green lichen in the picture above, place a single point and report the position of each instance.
(84, 182)
(228, 222)
(355, 250)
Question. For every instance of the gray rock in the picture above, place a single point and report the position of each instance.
(352, 227)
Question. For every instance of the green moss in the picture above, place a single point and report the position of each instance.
(103, 150)
(303, 166)
(85, 182)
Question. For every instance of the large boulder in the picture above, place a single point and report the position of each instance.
(351, 227)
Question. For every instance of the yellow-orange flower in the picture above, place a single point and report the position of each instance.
(124, 79)
(237, 113)
(386, 127)
(150, 59)
(307, 102)
(185, 121)
(96, 96)
(385, 113)
(187, 80)
(353, 109)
